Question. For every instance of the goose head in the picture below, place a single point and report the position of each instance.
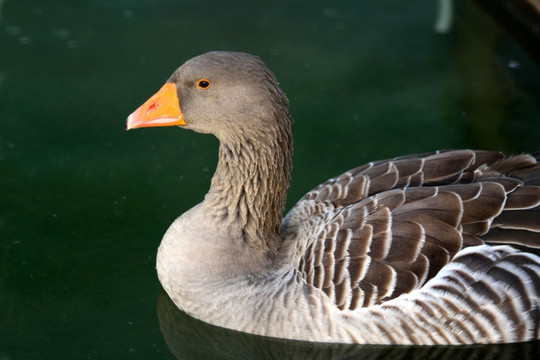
(228, 94)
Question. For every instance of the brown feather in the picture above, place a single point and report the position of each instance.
(486, 205)
(358, 267)
(384, 181)
(391, 199)
(342, 243)
(441, 166)
(485, 157)
(523, 220)
(342, 292)
(523, 198)
(360, 242)
(512, 236)
(408, 168)
(407, 240)
(381, 276)
(476, 228)
(355, 191)
(415, 194)
(446, 207)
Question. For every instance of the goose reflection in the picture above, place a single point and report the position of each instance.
(189, 338)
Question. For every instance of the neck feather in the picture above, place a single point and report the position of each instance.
(250, 184)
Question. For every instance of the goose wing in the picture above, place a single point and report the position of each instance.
(384, 229)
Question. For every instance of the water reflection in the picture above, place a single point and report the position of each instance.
(445, 13)
(188, 338)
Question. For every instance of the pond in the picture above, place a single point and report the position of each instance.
(84, 204)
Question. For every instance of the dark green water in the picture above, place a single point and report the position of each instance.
(83, 203)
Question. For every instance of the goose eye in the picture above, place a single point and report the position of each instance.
(203, 84)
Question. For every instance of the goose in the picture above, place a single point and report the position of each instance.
(433, 248)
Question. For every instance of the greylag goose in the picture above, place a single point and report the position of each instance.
(412, 250)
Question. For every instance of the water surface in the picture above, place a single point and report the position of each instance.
(83, 203)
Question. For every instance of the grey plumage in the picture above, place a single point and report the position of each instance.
(396, 251)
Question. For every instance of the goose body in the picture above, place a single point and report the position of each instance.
(434, 248)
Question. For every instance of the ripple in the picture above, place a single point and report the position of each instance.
(25, 40)
(61, 33)
(72, 44)
(13, 30)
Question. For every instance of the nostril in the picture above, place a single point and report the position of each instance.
(150, 108)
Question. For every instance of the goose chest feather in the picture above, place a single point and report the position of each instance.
(435, 248)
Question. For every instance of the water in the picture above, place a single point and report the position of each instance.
(83, 204)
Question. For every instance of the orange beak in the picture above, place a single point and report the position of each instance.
(162, 109)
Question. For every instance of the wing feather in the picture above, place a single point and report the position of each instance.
(386, 228)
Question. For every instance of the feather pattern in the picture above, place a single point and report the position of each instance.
(410, 250)
(407, 219)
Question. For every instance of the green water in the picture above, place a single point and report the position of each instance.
(83, 203)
